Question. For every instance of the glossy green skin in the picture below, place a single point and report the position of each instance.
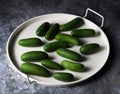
(63, 76)
(67, 38)
(69, 54)
(83, 33)
(51, 64)
(42, 29)
(75, 23)
(30, 42)
(89, 48)
(34, 56)
(77, 67)
(34, 69)
(53, 46)
(51, 33)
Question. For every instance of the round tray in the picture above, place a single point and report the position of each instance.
(93, 63)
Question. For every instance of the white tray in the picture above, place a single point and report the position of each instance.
(93, 63)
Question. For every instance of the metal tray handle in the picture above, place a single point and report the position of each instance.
(102, 18)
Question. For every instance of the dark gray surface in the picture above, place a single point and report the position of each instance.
(14, 12)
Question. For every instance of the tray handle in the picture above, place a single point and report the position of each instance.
(102, 18)
(27, 76)
(30, 81)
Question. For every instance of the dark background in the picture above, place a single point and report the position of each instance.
(15, 12)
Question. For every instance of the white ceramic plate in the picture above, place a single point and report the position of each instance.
(93, 63)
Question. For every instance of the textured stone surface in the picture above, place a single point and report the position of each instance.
(14, 12)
